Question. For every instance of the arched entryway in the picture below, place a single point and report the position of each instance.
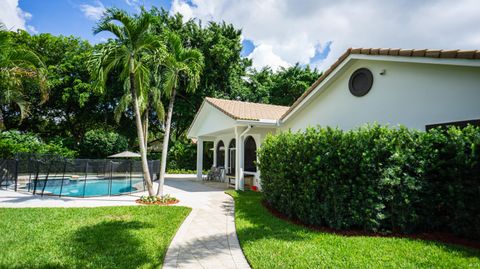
(250, 155)
(220, 151)
(231, 157)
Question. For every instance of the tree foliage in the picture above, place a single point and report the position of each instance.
(74, 107)
(18, 66)
(13, 142)
(100, 143)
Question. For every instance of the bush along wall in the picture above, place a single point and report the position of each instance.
(13, 142)
(376, 178)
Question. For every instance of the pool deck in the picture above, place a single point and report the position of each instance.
(24, 199)
(206, 239)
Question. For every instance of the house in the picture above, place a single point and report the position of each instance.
(416, 88)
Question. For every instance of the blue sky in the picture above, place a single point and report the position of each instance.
(280, 33)
(70, 17)
(67, 17)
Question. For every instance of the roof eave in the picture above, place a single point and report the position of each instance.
(260, 122)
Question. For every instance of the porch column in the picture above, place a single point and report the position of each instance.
(227, 152)
(215, 153)
(238, 158)
(199, 158)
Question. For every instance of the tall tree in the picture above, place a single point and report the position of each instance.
(73, 107)
(182, 66)
(130, 52)
(291, 82)
(17, 65)
(224, 67)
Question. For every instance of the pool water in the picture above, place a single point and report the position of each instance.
(90, 186)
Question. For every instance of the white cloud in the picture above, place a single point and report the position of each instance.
(93, 12)
(263, 55)
(132, 2)
(32, 29)
(135, 4)
(14, 17)
(289, 31)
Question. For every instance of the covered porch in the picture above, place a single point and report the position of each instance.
(237, 129)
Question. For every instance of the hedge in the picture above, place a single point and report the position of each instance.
(13, 142)
(376, 178)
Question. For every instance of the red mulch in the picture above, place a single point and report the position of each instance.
(138, 201)
(433, 236)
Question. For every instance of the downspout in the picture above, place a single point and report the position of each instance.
(246, 131)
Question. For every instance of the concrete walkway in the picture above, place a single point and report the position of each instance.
(206, 239)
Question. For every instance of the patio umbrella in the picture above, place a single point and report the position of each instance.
(125, 154)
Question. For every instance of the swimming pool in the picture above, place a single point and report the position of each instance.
(92, 186)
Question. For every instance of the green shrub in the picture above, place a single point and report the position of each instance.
(182, 155)
(101, 143)
(184, 171)
(376, 178)
(13, 142)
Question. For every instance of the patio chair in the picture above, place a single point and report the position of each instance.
(215, 174)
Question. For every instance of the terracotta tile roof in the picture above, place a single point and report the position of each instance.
(452, 54)
(246, 110)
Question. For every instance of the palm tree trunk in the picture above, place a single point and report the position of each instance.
(145, 128)
(141, 141)
(2, 124)
(166, 138)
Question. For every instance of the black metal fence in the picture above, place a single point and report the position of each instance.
(58, 176)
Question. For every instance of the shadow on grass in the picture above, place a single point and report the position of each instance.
(109, 244)
(262, 224)
(259, 223)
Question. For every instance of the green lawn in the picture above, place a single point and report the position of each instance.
(269, 242)
(103, 237)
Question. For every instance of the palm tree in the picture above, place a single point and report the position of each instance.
(130, 52)
(179, 63)
(151, 101)
(17, 64)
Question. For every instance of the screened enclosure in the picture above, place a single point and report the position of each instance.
(58, 176)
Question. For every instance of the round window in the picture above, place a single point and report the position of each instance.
(360, 82)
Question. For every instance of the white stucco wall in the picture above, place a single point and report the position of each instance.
(412, 94)
(210, 120)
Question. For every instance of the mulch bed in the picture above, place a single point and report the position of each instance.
(138, 201)
(433, 236)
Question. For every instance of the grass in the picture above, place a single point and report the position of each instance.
(269, 242)
(103, 237)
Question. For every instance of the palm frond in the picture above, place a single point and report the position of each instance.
(157, 102)
(170, 82)
(24, 107)
(115, 14)
(122, 106)
(107, 26)
(174, 43)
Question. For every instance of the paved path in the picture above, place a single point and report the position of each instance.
(206, 239)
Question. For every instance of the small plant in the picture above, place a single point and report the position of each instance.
(184, 171)
(160, 200)
(167, 199)
(149, 199)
